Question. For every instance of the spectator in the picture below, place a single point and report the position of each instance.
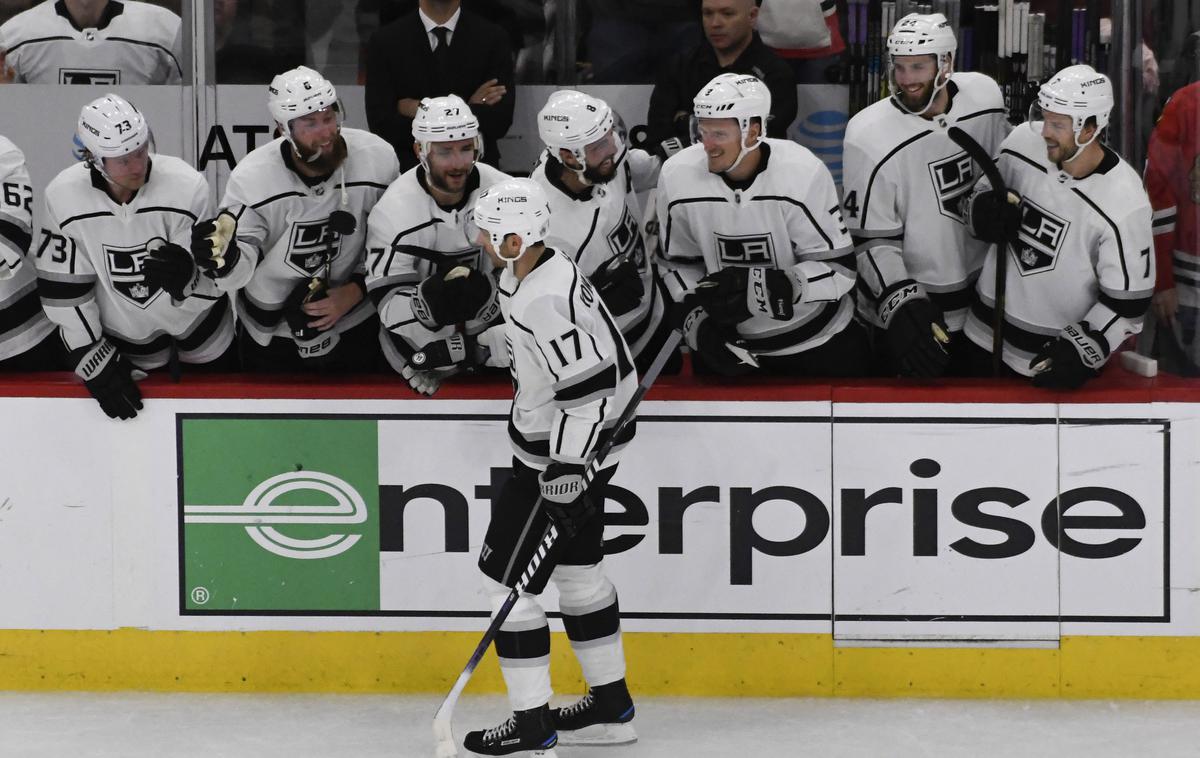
(804, 33)
(440, 49)
(27, 340)
(115, 270)
(629, 40)
(731, 46)
(92, 42)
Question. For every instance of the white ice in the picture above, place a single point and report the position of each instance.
(142, 725)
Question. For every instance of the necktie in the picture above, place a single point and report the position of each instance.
(441, 57)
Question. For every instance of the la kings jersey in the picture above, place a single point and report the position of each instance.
(571, 369)
(904, 186)
(23, 323)
(1084, 253)
(89, 258)
(283, 228)
(407, 216)
(788, 218)
(134, 43)
(604, 222)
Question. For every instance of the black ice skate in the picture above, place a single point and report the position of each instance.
(526, 733)
(602, 717)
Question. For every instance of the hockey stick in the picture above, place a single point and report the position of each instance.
(988, 166)
(442, 733)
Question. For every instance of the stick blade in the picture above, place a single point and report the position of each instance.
(445, 746)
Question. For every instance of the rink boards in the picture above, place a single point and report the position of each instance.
(827, 541)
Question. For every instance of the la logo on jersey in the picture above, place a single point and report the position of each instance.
(1040, 239)
(953, 178)
(89, 76)
(624, 239)
(125, 272)
(313, 244)
(746, 250)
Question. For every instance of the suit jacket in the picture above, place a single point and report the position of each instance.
(400, 64)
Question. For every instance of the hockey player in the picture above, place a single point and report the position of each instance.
(573, 377)
(301, 203)
(93, 42)
(115, 272)
(904, 186)
(417, 235)
(27, 341)
(754, 247)
(1080, 263)
(591, 180)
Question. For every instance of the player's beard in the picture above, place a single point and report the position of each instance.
(328, 162)
(441, 182)
(596, 175)
(917, 102)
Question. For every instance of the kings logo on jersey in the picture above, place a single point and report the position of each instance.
(1040, 239)
(746, 250)
(953, 179)
(125, 273)
(313, 244)
(88, 76)
(626, 239)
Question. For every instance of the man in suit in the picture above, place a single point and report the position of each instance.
(440, 49)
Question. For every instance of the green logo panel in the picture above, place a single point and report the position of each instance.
(280, 515)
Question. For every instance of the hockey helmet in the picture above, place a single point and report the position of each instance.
(737, 96)
(513, 206)
(922, 34)
(297, 93)
(573, 121)
(1080, 92)
(110, 126)
(444, 119)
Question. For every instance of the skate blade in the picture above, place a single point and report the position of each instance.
(599, 734)
(547, 753)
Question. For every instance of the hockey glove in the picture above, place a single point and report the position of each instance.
(422, 382)
(995, 216)
(916, 332)
(709, 345)
(735, 294)
(564, 497)
(307, 291)
(456, 351)
(461, 294)
(109, 377)
(1070, 359)
(619, 283)
(170, 267)
(213, 244)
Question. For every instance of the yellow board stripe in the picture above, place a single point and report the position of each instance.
(729, 665)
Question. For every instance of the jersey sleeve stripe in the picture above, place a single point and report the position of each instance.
(879, 165)
(862, 235)
(17, 238)
(1116, 233)
(801, 333)
(538, 450)
(206, 327)
(1125, 308)
(20, 312)
(57, 293)
(577, 391)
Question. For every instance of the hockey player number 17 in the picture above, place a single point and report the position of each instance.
(573, 336)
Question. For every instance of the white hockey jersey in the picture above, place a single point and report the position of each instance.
(408, 216)
(602, 223)
(788, 218)
(23, 323)
(571, 369)
(1085, 252)
(902, 193)
(283, 228)
(134, 43)
(89, 258)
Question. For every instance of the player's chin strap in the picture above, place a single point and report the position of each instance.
(744, 150)
(937, 88)
(581, 159)
(1079, 147)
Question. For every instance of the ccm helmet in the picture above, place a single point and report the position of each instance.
(922, 34)
(513, 206)
(737, 96)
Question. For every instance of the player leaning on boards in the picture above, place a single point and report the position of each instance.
(572, 378)
(433, 286)
(753, 245)
(1082, 268)
(591, 180)
(301, 202)
(115, 272)
(904, 187)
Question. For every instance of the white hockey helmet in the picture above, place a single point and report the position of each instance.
(513, 206)
(572, 121)
(444, 119)
(738, 96)
(297, 93)
(1077, 91)
(922, 34)
(110, 127)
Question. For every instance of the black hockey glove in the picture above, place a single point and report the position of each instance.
(735, 294)
(172, 268)
(456, 351)
(461, 294)
(706, 342)
(307, 291)
(994, 217)
(619, 283)
(109, 377)
(214, 244)
(1070, 359)
(916, 333)
(564, 497)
